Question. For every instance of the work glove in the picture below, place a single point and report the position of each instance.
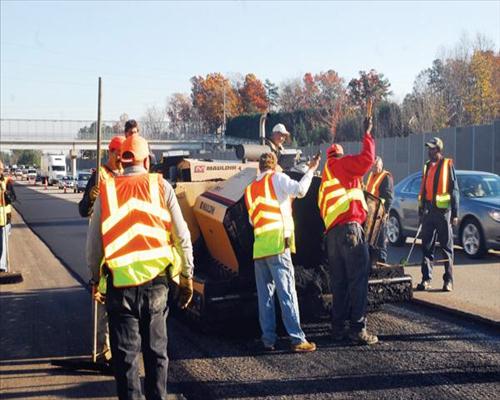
(96, 295)
(94, 192)
(185, 291)
(368, 124)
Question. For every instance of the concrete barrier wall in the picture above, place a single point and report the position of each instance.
(471, 147)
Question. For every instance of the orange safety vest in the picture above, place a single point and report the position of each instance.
(373, 182)
(136, 229)
(269, 224)
(334, 199)
(441, 197)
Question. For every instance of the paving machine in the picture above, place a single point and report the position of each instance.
(224, 283)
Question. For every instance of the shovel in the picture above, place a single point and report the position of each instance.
(405, 260)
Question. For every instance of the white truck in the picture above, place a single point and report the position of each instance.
(53, 168)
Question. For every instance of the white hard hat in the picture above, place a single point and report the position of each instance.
(280, 128)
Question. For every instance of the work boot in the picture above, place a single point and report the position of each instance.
(448, 287)
(268, 347)
(363, 338)
(424, 285)
(304, 347)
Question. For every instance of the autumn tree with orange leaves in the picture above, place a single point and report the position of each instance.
(212, 96)
(253, 95)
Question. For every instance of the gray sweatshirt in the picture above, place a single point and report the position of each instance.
(180, 231)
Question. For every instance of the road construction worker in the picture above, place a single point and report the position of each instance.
(343, 209)
(381, 184)
(132, 128)
(7, 197)
(438, 210)
(268, 200)
(138, 232)
(279, 136)
(111, 168)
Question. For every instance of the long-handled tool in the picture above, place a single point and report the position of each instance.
(405, 260)
(84, 363)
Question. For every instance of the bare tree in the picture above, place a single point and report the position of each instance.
(154, 122)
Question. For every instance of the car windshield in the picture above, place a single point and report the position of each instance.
(58, 168)
(477, 186)
(83, 177)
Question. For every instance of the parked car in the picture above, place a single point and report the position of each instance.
(81, 182)
(67, 182)
(31, 174)
(478, 228)
(19, 173)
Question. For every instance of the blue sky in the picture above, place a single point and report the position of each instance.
(53, 52)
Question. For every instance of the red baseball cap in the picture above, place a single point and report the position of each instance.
(334, 150)
(116, 142)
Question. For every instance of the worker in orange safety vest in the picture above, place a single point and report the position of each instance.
(137, 232)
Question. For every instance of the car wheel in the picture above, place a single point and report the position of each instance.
(472, 238)
(395, 231)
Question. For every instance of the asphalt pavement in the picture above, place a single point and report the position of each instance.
(423, 353)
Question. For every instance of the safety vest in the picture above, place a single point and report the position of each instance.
(105, 174)
(334, 199)
(136, 229)
(4, 208)
(441, 197)
(269, 224)
(374, 181)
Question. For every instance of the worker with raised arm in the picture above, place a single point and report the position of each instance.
(269, 202)
(343, 208)
(139, 234)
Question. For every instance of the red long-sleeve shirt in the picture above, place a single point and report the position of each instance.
(349, 170)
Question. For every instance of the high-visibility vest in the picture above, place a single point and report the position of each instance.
(136, 229)
(270, 226)
(373, 182)
(441, 197)
(104, 173)
(334, 199)
(5, 208)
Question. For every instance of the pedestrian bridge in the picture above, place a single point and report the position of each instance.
(79, 135)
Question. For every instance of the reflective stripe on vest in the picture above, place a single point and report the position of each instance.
(4, 208)
(440, 196)
(374, 181)
(268, 222)
(136, 229)
(334, 199)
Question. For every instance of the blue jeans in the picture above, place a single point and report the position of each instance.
(4, 240)
(138, 321)
(276, 274)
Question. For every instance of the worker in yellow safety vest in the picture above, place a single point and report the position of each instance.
(7, 197)
(381, 185)
(268, 200)
(111, 168)
(137, 232)
(438, 202)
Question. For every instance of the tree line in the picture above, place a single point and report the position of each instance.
(461, 87)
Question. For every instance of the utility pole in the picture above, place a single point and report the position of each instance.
(223, 133)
